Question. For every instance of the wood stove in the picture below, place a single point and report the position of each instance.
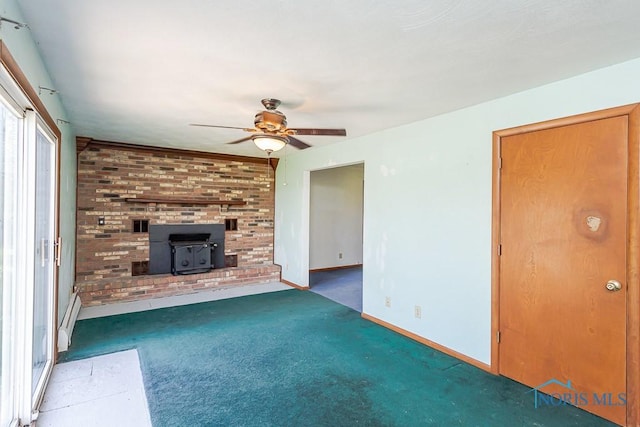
(191, 253)
(185, 248)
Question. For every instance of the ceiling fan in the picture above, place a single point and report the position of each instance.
(271, 132)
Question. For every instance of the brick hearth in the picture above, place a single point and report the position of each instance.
(141, 287)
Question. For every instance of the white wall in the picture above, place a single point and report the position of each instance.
(335, 226)
(436, 176)
(25, 51)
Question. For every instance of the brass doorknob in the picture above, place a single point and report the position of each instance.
(613, 286)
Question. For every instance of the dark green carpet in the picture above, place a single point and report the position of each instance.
(294, 358)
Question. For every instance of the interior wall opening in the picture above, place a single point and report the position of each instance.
(336, 234)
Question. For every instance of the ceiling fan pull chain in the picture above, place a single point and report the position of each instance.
(268, 171)
(285, 166)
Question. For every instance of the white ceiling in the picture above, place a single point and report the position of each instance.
(140, 71)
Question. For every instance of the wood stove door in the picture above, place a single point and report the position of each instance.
(191, 258)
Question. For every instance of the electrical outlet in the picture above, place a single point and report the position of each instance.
(387, 301)
(340, 255)
(417, 312)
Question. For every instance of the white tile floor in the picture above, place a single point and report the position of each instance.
(108, 391)
(102, 391)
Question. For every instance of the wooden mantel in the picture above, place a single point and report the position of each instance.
(185, 201)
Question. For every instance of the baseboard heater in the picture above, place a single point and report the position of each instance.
(68, 322)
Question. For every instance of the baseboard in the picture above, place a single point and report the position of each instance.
(429, 343)
(340, 267)
(293, 285)
(68, 322)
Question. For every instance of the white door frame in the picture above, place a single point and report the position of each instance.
(23, 397)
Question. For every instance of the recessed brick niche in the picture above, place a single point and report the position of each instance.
(132, 187)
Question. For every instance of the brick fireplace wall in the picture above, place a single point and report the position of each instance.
(111, 176)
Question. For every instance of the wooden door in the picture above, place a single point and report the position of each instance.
(563, 234)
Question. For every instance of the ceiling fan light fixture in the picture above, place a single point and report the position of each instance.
(269, 143)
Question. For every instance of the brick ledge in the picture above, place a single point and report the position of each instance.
(134, 288)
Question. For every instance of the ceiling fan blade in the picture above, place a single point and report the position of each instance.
(238, 141)
(295, 142)
(215, 126)
(329, 132)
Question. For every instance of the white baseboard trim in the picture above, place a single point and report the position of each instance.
(68, 322)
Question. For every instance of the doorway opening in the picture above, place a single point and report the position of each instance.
(336, 234)
(29, 248)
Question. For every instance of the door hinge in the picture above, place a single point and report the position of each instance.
(499, 249)
(499, 162)
(498, 337)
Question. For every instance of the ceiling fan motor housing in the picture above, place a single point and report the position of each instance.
(270, 121)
